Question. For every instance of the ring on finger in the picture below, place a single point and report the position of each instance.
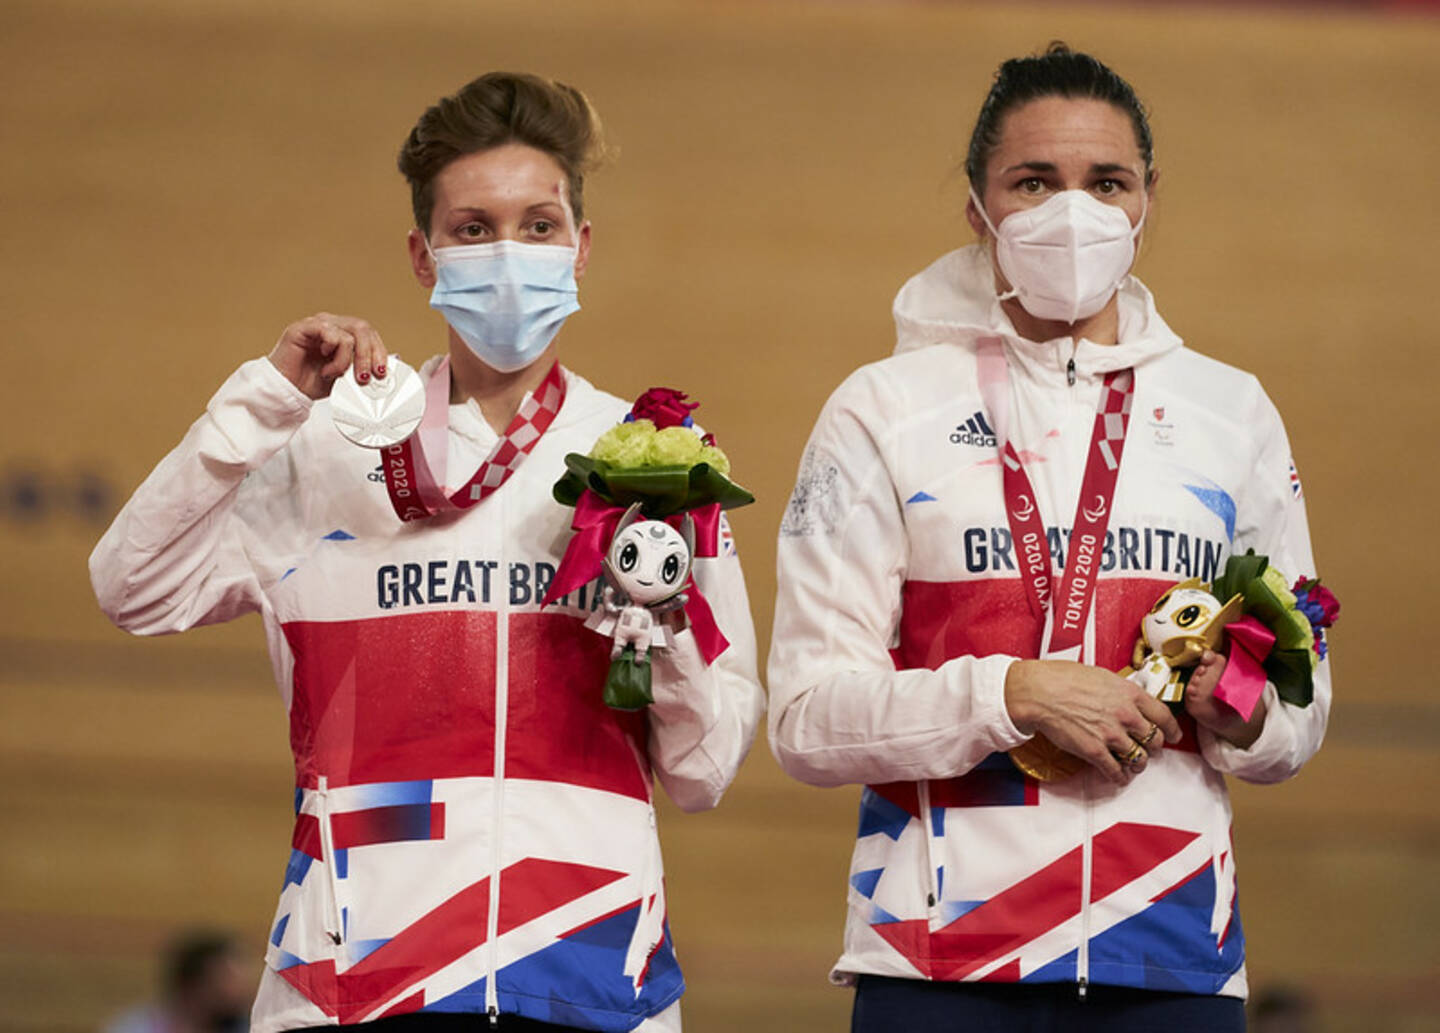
(1133, 757)
(1145, 742)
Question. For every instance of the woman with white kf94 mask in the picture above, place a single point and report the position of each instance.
(1062, 216)
(980, 523)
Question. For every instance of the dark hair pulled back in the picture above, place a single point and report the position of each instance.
(1059, 72)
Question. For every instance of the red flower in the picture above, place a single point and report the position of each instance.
(1318, 599)
(665, 407)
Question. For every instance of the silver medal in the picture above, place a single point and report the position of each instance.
(383, 412)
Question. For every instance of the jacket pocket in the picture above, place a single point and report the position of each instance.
(309, 922)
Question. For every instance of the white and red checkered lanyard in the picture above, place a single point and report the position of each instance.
(1067, 611)
(417, 492)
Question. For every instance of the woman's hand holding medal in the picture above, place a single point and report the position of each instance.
(1091, 713)
(314, 352)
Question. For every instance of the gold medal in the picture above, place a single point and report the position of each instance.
(1042, 759)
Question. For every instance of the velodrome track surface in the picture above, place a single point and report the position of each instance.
(179, 180)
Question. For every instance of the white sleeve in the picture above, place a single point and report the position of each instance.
(839, 711)
(1272, 522)
(173, 557)
(704, 718)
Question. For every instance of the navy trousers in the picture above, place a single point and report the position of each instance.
(884, 1005)
(434, 1022)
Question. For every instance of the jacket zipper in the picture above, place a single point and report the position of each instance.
(932, 884)
(1087, 854)
(1071, 372)
(650, 922)
(502, 706)
(327, 847)
(1082, 962)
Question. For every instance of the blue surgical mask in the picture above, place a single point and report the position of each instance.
(506, 299)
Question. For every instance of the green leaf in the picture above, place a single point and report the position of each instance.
(708, 485)
(1289, 669)
(569, 488)
(627, 686)
(1261, 601)
(1292, 631)
(660, 490)
(1239, 572)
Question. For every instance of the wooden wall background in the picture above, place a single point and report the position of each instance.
(178, 180)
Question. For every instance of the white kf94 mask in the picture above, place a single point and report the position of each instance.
(1066, 257)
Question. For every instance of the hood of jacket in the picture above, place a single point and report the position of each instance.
(952, 301)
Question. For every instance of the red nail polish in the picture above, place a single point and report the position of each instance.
(362, 377)
(379, 371)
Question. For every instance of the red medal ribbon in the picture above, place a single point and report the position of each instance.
(415, 491)
(1068, 608)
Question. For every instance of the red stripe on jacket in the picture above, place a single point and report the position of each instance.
(412, 696)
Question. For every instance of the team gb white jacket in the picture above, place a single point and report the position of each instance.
(900, 610)
(474, 829)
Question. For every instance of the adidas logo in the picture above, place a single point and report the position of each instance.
(975, 431)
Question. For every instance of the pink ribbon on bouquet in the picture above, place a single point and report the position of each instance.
(1244, 678)
(594, 524)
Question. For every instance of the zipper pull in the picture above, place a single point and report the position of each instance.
(494, 1013)
(1083, 990)
(1070, 372)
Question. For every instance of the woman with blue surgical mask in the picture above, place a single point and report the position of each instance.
(980, 524)
(475, 841)
(503, 254)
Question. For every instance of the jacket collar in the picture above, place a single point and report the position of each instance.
(953, 302)
(582, 400)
